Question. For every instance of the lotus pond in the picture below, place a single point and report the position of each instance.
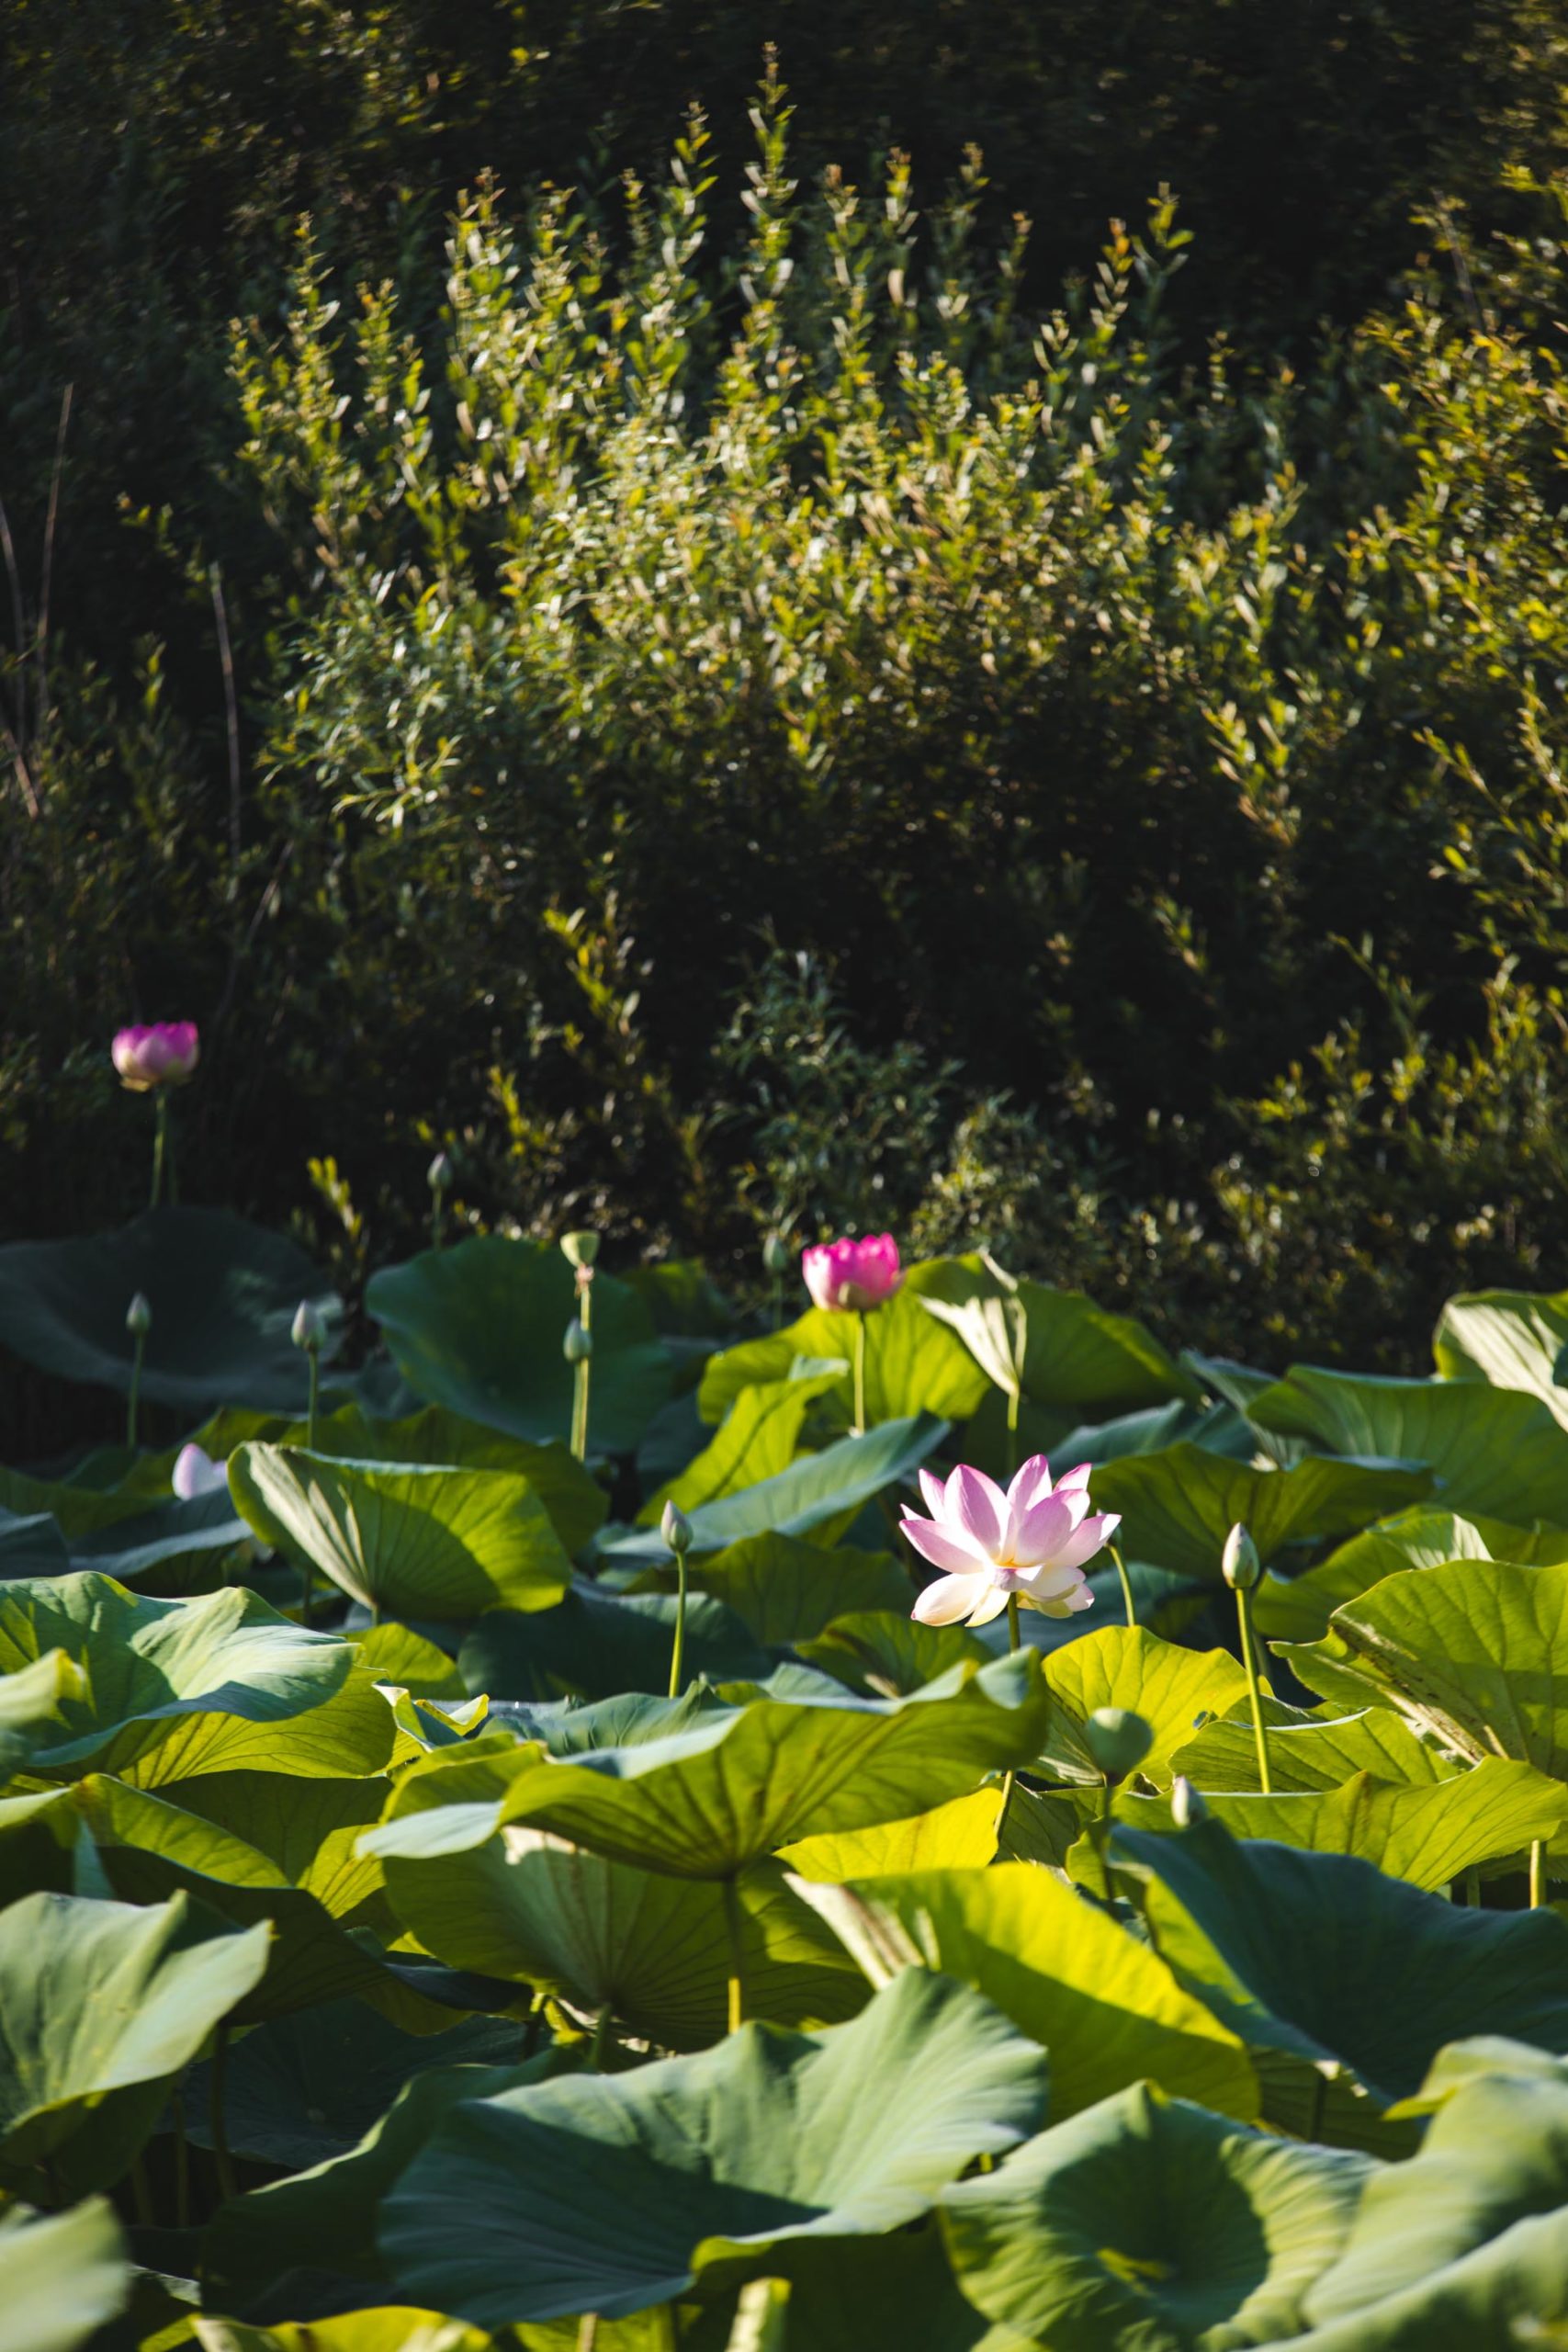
(492, 1856)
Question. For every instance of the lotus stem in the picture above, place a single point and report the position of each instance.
(228, 2187)
(536, 2025)
(1015, 1401)
(585, 1364)
(678, 1655)
(1538, 1873)
(160, 1154)
(1128, 1603)
(1472, 1887)
(588, 2332)
(1254, 1693)
(601, 2035)
(732, 1887)
(132, 1400)
(859, 1354)
(1014, 1643)
(1106, 1792)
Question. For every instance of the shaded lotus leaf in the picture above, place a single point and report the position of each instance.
(223, 1296)
(479, 1328)
(706, 1801)
(100, 2007)
(1108, 2008)
(436, 1439)
(31, 1545)
(172, 1548)
(1428, 1835)
(1473, 1654)
(961, 1835)
(1308, 1752)
(1077, 1355)
(599, 1642)
(31, 1699)
(418, 1543)
(818, 1495)
(1297, 1608)
(62, 2275)
(787, 1591)
(653, 1948)
(913, 1365)
(887, 1654)
(1322, 1957)
(1120, 1666)
(1491, 1451)
(1512, 1338)
(1178, 1506)
(1149, 2222)
(759, 1436)
(176, 1688)
(612, 2193)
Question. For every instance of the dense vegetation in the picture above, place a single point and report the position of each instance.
(755, 688)
(468, 1892)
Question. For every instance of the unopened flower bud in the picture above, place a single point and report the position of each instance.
(579, 1344)
(676, 1529)
(439, 1174)
(1186, 1804)
(580, 1249)
(1239, 1563)
(1118, 1740)
(310, 1327)
(138, 1315)
(777, 1256)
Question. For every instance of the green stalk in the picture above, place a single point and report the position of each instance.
(588, 2332)
(312, 1417)
(677, 1655)
(160, 1146)
(228, 2186)
(1538, 1873)
(1014, 1400)
(1106, 1795)
(585, 1317)
(601, 2035)
(859, 1352)
(1472, 1887)
(135, 1390)
(1014, 1643)
(737, 1978)
(1255, 1695)
(1127, 1601)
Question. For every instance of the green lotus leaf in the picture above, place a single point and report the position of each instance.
(62, 2275)
(31, 1700)
(1107, 2008)
(1077, 1355)
(1323, 1957)
(1427, 1835)
(1178, 1506)
(600, 1643)
(172, 1549)
(1464, 1652)
(759, 1436)
(387, 2328)
(100, 2007)
(308, 1830)
(176, 1688)
(787, 1591)
(1492, 1451)
(31, 1545)
(223, 1296)
(819, 1494)
(1120, 1666)
(653, 1948)
(706, 1801)
(1297, 1608)
(426, 1542)
(913, 1365)
(479, 1329)
(1512, 1338)
(1307, 1752)
(1149, 2222)
(890, 1654)
(612, 2194)
(395, 1654)
(960, 1835)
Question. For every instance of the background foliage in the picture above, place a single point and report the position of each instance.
(751, 663)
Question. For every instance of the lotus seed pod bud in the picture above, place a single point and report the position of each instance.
(580, 1249)
(676, 1529)
(777, 1256)
(138, 1315)
(579, 1344)
(1118, 1740)
(439, 1174)
(1239, 1562)
(1186, 1805)
(310, 1327)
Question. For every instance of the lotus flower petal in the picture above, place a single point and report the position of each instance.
(946, 1547)
(951, 1597)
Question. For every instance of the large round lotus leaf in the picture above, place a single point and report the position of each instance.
(760, 1437)
(887, 1654)
(62, 2275)
(1321, 1956)
(610, 2194)
(1107, 2008)
(100, 2006)
(1310, 1752)
(479, 1328)
(1490, 1450)
(1512, 1338)
(176, 1688)
(655, 1948)
(786, 1590)
(31, 1698)
(1297, 1608)
(912, 1365)
(1126, 1666)
(387, 2328)
(1076, 1354)
(31, 1545)
(706, 1801)
(1152, 2223)
(960, 1836)
(1178, 1506)
(1428, 1835)
(223, 1294)
(422, 1542)
(600, 1643)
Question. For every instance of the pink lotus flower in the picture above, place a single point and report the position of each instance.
(165, 1053)
(1031, 1541)
(196, 1474)
(853, 1273)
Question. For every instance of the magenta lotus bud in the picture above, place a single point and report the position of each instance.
(676, 1528)
(138, 1315)
(310, 1327)
(163, 1053)
(853, 1273)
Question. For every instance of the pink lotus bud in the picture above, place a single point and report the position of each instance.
(196, 1472)
(853, 1273)
(165, 1053)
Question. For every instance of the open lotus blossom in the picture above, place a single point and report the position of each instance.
(163, 1053)
(853, 1273)
(1031, 1543)
(196, 1472)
